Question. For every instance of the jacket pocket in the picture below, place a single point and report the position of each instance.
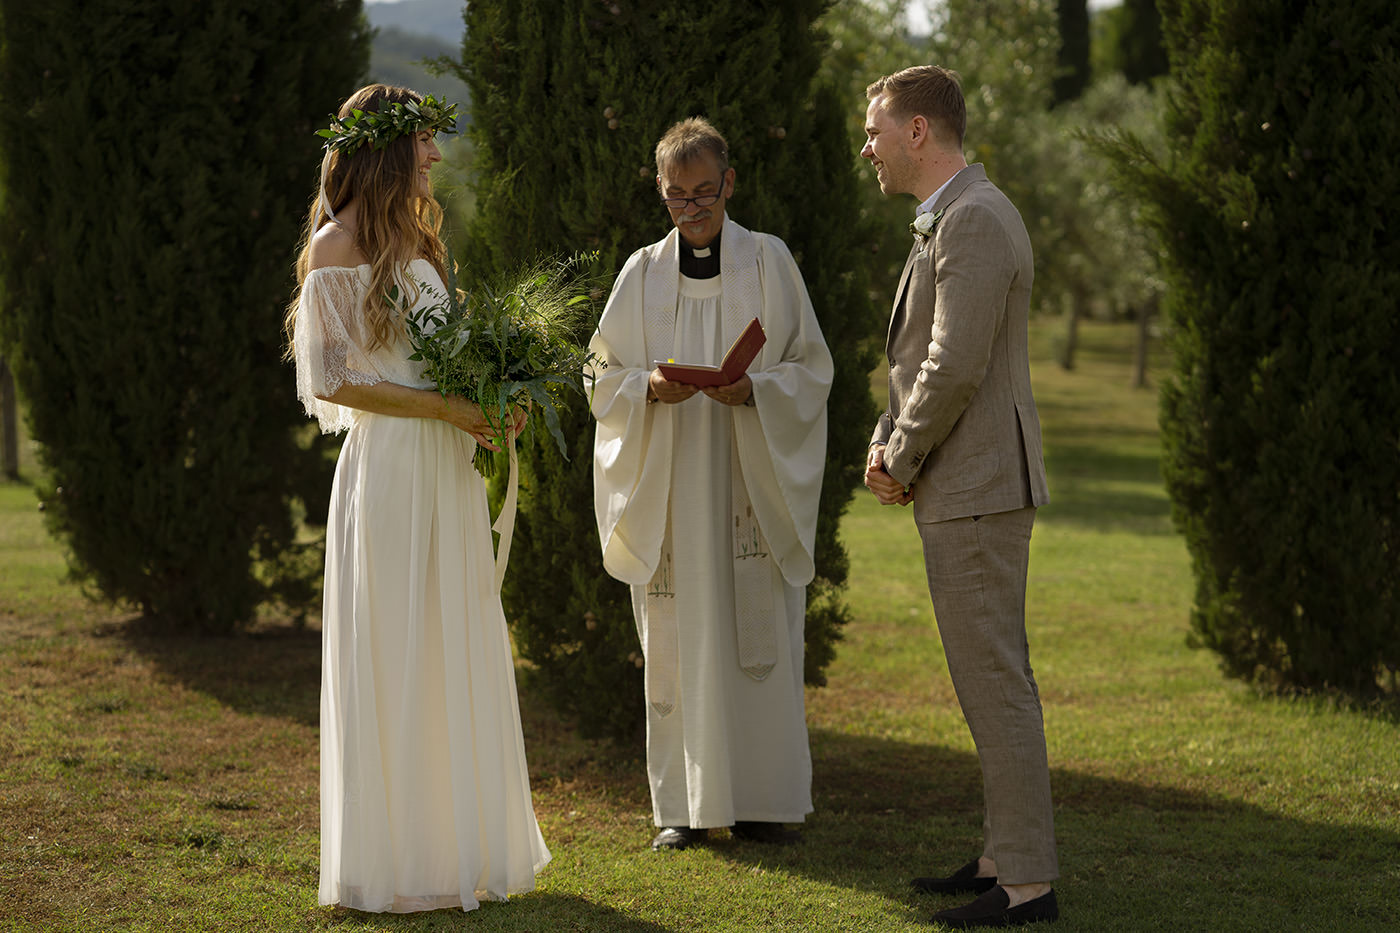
(953, 473)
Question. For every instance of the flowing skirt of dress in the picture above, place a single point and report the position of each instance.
(425, 796)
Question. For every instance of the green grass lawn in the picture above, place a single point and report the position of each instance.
(170, 784)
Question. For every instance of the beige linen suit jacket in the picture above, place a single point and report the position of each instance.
(961, 428)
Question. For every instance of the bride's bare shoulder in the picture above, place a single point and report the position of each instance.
(333, 245)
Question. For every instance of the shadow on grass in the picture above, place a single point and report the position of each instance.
(1104, 489)
(275, 671)
(1090, 460)
(1132, 856)
(537, 911)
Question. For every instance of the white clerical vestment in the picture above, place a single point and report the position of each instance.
(709, 511)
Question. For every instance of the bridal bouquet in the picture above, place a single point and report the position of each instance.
(509, 343)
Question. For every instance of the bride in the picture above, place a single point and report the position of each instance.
(425, 797)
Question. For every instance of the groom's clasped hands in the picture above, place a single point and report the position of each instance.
(886, 488)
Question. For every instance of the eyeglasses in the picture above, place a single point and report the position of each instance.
(704, 200)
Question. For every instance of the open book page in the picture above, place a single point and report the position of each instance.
(736, 361)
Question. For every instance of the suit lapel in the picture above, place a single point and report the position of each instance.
(959, 183)
(897, 314)
(904, 276)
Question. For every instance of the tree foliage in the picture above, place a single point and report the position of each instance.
(1089, 255)
(159, 159)
(869, 39)
(1282, 420)
(569, 98)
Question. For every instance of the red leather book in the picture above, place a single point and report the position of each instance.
(736, 361)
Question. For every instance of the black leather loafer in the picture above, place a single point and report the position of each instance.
(962, 881)
(774, 834)
(679, 837)
(992, 910)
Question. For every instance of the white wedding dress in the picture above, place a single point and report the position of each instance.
(425, 797)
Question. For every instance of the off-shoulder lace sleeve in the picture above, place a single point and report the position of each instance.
(330, 344)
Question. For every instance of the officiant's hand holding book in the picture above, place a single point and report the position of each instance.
(735, 363)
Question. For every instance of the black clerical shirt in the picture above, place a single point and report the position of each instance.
(700, 263)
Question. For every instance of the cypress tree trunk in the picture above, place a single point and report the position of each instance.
(1073, 313)
(569, 98)
(1141, 348)
(1282, 420)
(160, 156)
(9, 422)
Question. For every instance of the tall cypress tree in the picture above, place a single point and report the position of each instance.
(1282, 420)
(160, 156)
(1142, 53)
(1073, 58)
(569, 98)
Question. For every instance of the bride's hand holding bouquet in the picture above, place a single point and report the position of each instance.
(508, 346)
(466, 415)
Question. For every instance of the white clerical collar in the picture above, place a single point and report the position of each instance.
(927, 205)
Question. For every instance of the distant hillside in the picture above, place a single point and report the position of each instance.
(437, 19)
(396, 57)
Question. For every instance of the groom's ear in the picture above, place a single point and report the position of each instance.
(917, 130)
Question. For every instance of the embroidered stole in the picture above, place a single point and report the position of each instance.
(754, 606)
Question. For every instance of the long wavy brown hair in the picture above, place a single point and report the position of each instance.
(394, 226)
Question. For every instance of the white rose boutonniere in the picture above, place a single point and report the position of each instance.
(923, 225)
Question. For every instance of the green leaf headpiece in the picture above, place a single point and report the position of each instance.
(388, 124)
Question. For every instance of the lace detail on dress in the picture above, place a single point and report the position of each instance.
(330, 341)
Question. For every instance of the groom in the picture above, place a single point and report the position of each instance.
(961, 440)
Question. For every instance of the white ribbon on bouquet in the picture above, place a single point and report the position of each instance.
(505, 522)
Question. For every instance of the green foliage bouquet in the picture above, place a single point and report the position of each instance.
(510, 342)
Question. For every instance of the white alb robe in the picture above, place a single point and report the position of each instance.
(700, 501)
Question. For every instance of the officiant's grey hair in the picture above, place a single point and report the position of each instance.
(686, 141)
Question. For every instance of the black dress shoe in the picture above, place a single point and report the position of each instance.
(768, 833)
(679, 837)
(962, 881)
(992, 910)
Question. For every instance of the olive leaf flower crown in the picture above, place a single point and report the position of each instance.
(347, 134)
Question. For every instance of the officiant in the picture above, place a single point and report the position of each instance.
(706, 501)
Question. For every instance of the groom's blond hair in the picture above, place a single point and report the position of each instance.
(925, 90)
